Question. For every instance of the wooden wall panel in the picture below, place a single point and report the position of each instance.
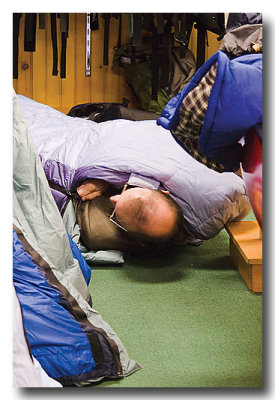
(99, 89)
(210, 49)
(39, 67)
(25, 81)
(52, 82)
(213, 45)
(106, 83)
(68, 86)
(82, 83)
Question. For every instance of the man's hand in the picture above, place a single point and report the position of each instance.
(91, 189)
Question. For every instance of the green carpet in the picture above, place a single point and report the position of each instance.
(187, 317)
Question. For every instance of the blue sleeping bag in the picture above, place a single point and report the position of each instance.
(234, 106)
(70, 340)
(42, 305)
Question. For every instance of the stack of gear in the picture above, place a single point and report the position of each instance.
(161, 70)
(223, 101)
(232, 105)
(159, 64)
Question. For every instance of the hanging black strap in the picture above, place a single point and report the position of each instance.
(106, 17)
(137, 29)
(64, 23)
(189, 27)
(136, 35)
(42, 23)
(200, 45)
(179, 22)
(133, 53)
(16, 26)
(148, 22)
(119, 32)
(63, 55)
(182, 35)
(149, 25)
(30, 32)
(175, 20)
(155, 65)
(64, 27)
(160, 24)
(165, 57)
(118, 17)
(94, 22)
(54, 44)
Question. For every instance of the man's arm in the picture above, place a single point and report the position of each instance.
(92, 188)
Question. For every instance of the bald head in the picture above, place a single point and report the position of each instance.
(148, 214)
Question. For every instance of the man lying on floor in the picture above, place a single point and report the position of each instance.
(132, 219)
(140, 153)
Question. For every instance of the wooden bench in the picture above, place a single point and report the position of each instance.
(246, 251)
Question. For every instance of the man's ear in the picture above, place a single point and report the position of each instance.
(115, 198)
(165, 191)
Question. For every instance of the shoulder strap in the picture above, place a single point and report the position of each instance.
(71, 194)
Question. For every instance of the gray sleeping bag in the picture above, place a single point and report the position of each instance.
(73, 150)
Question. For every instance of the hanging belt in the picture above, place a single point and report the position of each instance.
(118, 17)
(41, 20)
(200, 45)
(160, 24)
(94, 22)
(30, 32)
(165, 57)
(54, 44)
(155, 65)
(136, 35)
(119, 32)
(16, 25)
(148, 24)
(179, 22)
(107, 18)
(64, 27)
(147, 21)
(137, 29)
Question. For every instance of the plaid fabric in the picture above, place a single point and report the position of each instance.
(191, 117)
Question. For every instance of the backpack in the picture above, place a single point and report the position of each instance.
(158, 64)
(139, 74)
(101, 112)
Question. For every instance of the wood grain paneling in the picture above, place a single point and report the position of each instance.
(106, 83)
